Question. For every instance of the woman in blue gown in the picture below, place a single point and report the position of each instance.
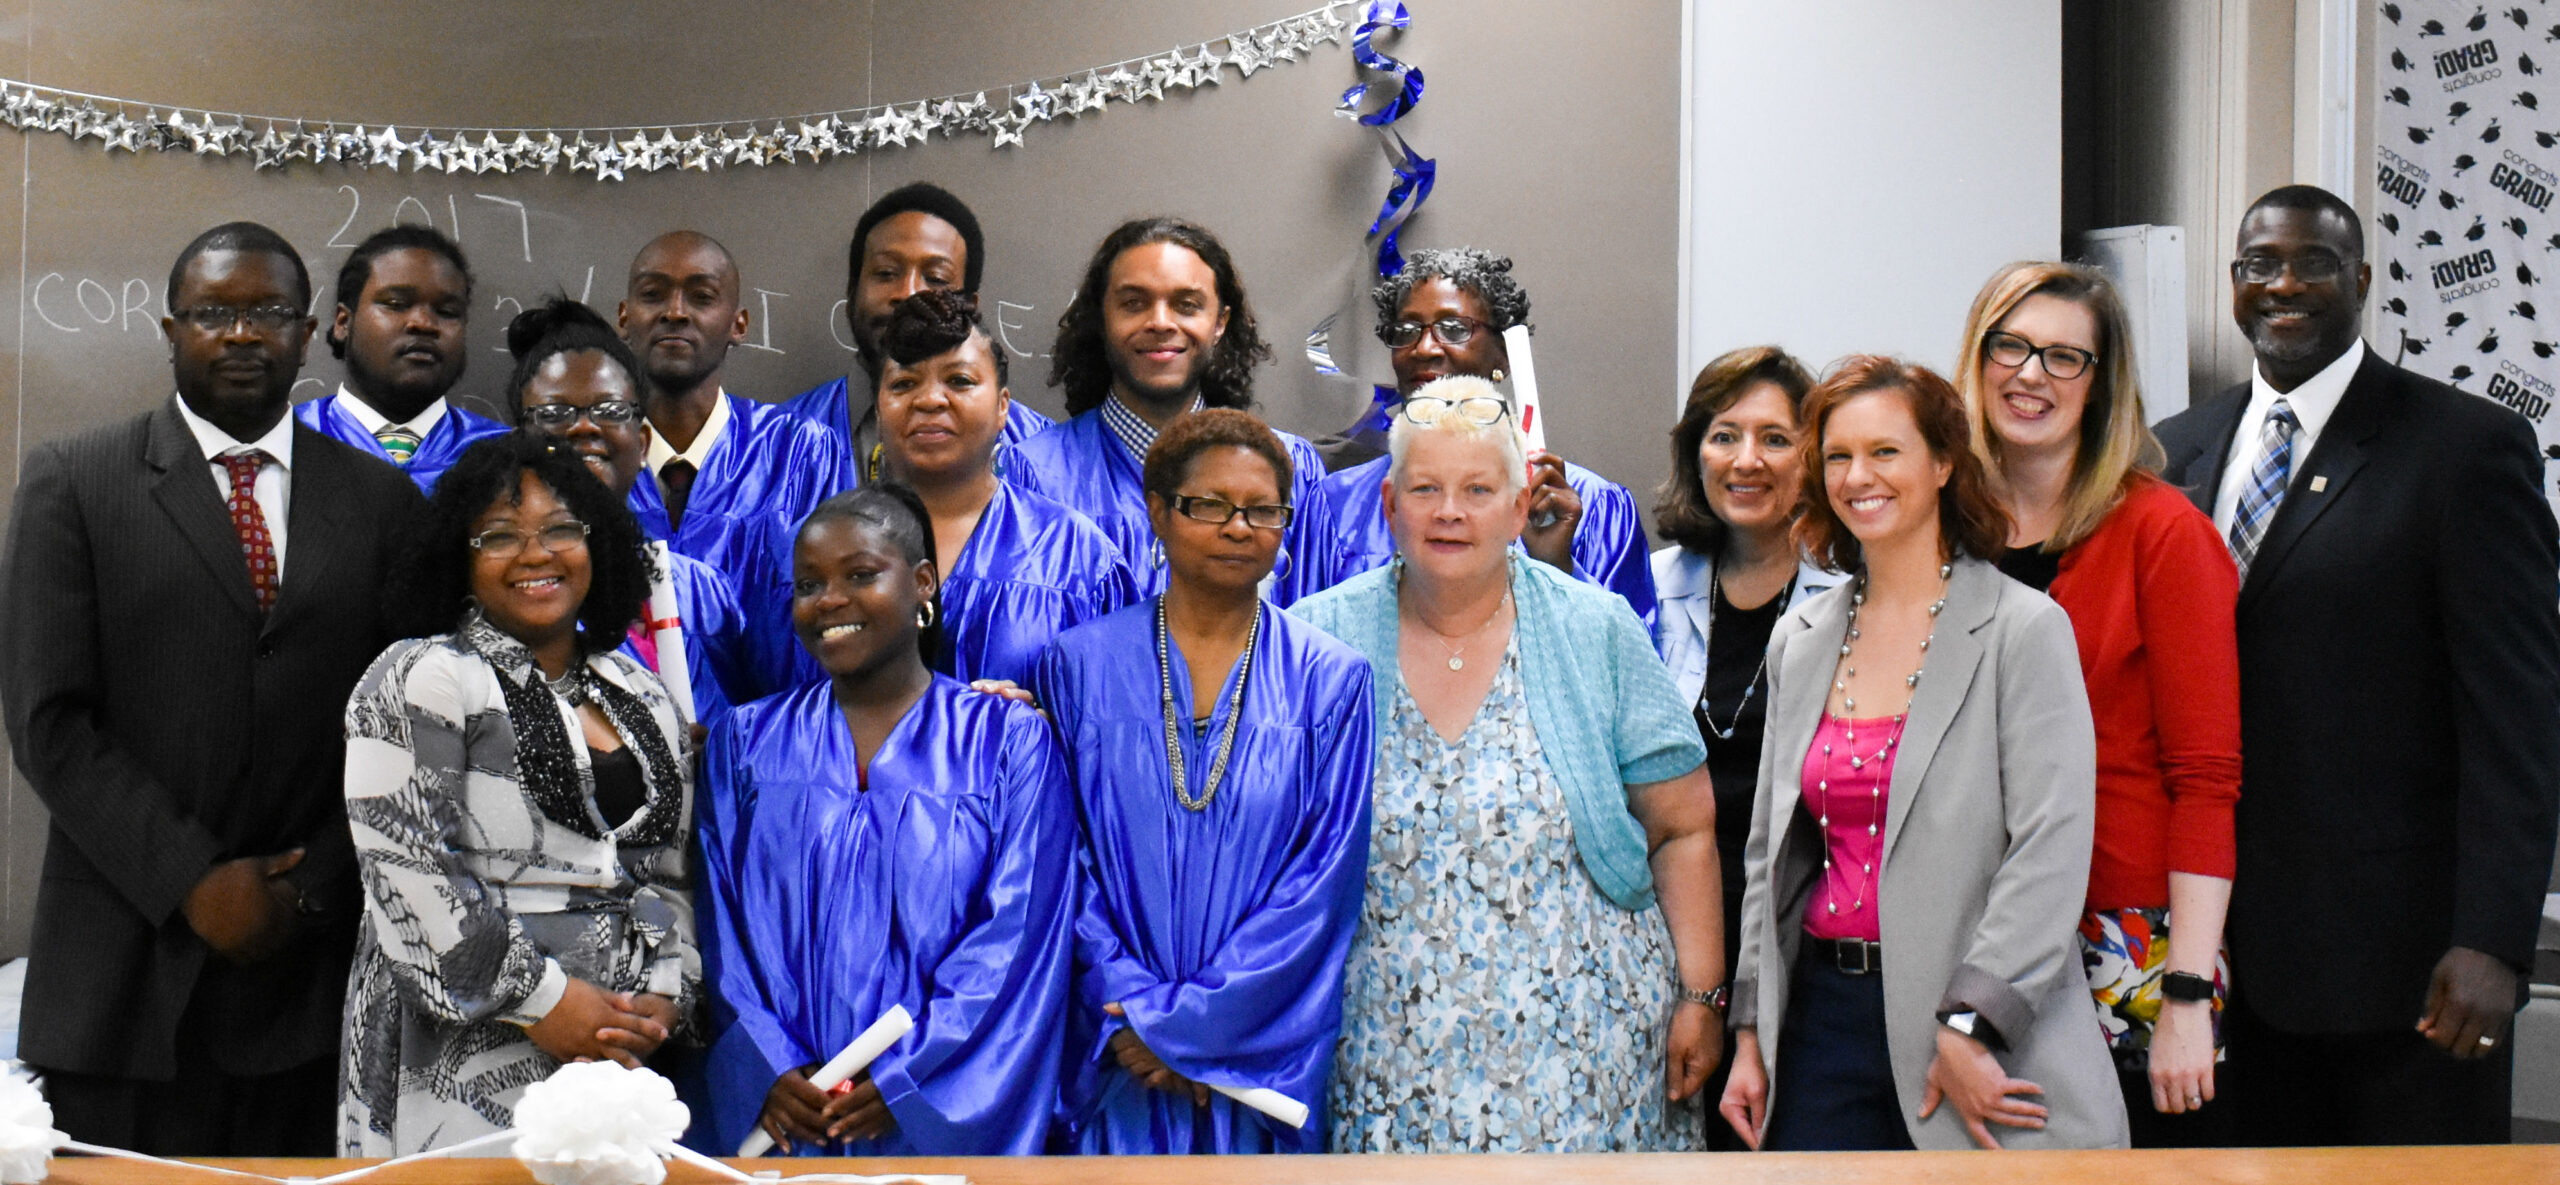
(1018, 567)
(1223, 782)
(884, 836)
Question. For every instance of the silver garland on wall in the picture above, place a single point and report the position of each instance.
(613, 153)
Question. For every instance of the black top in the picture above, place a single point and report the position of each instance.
(1735, 648)
(2032, 566)
(620, 792)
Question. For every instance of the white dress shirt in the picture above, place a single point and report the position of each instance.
(274, 488)
(713, 428)
(2313, 402)
(374, 422)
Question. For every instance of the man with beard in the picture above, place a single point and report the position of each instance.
(2400, 708)
(916, 237)
(192, 593)
(1160, 327)
(729, 478)
(404, 300)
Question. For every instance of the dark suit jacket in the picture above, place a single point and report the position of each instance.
(2399, 700)
(167, 727)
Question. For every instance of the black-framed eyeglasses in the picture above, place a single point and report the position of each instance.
(219, 318)
(2011, 350)
(559, 416)
(1452, 330)
(2318, 267)
(1426, 410)
(1219, 512)
(506, 543)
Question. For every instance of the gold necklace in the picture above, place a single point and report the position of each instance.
(1457, 650)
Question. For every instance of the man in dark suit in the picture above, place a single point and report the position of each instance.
(2400, 708)
(191, 595)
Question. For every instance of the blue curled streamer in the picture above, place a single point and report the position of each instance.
(1414, 174)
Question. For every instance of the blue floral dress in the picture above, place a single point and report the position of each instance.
(1495, 1000)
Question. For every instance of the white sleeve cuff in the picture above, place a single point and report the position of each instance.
(545, 996)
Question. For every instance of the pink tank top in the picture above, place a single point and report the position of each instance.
(1846, 773)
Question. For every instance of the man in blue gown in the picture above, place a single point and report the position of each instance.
(404, 301)
(916, 238)
(1442, 315)
(1159, 327)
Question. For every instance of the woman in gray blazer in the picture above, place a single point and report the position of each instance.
(1927, 792)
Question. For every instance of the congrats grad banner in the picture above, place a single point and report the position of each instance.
(2464, 238)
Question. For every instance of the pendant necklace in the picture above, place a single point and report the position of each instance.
(1849, 739)
(1751, 690)
(1172, 728)
(1458, 649)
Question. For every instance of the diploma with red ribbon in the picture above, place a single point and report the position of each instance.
(666, 631)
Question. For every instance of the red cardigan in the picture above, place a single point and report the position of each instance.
(2151, 594)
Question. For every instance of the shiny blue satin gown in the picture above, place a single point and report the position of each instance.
(1221, 932)
(1031, 569)
(1346, 533)
(943, 884)
(1082, 464)
(458, 430)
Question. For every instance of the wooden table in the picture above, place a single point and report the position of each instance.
(2355, 1166)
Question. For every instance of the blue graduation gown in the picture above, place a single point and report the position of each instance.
(1031, 568)
(828, 405)
(720, 653)
(1083, 465)
(1221, 932)
(437, 453)
(944, 887)
(1347, 535)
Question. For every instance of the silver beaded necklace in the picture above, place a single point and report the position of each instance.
(1875, 791)
(1172, 729)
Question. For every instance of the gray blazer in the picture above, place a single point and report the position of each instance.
(1988, 823)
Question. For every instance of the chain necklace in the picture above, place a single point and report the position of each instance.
(1857, 763)
(1172, 732)
(1706, 711)
(1457, 650)
(571, 686)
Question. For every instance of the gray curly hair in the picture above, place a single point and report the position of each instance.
(1469, 268)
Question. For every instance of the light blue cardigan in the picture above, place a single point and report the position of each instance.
(1605, 709)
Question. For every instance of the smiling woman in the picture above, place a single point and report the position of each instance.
(512, 724)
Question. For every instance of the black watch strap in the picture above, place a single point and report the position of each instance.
(2186, 987)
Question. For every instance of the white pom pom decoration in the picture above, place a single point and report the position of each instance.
(596, 1123)
(27, 1138)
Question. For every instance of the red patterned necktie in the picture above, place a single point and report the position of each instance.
(256, 546)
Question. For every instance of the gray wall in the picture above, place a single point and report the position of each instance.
(1555, 127)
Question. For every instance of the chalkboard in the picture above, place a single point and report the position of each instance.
(1555, 128)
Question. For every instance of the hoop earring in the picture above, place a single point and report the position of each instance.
(925, 615)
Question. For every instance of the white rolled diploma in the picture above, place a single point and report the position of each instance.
(666, 632)
(1524, 387)
(848, 1062)
(1270, 1102)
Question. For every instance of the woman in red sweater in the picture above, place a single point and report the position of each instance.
(2047, 371)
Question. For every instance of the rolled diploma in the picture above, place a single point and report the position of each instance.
(1270, 1102)
(1524, 387)
(850, 1061)
(666, 631)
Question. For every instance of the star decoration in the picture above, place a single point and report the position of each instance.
(180, 131)
(664, 150)
(609, 159)
(123, 132)
(694, 153)
(271, 149)
(228, 138)
(493, 156)
(927, 120)
(818, 140)
(1008, 128)
(1208, 69)
(1035, 104)
(88, 122)
(13, 106)
(1075, 98)
(156, 132)
(630, 153)
(426, 152)
(1121, 85)
(346, 147)
(1153, 77)
(580, 157)
(521, 153)
(459, 155)
(42, 114)
(1329, 26)
(384, 148)
(977, 115)
(548, 151)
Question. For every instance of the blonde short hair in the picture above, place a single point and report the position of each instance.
(1504, 433)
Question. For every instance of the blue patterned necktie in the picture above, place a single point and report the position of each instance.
(2265, 491)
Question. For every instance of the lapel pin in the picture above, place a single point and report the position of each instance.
(2319, 482)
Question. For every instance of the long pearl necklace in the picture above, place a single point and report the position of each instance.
(1235, 711)
(1857, 762)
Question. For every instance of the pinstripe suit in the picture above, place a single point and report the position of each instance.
(167, 727)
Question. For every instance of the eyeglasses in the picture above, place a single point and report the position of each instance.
(217, 318)
(558, 416)
(1452, 330)
(1220, 512)
(506, 543)
(1426, 410)
(2317, 268)
(2011, 350)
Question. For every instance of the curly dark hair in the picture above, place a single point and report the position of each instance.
(357, 271)
(897, 513)
(430, 584)
(934, 322)
(1080, 362)
(1970, 520)
(564, 326)
(1467, 268)
(1680, 510)
(1183, 440)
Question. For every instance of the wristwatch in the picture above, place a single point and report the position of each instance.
(1718, 997)
(1972, 1025)
(2186, 987)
